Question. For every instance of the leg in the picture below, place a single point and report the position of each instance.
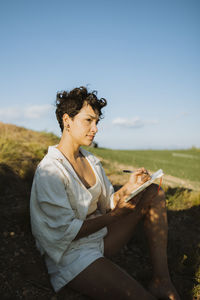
(121, 231)
(156, 229)
(104, 280)
(152, 207)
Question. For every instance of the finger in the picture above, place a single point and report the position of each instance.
(132, 204)
(139, 172)
(145, 171)
(146, 177)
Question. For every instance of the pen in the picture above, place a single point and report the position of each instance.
(128, 171)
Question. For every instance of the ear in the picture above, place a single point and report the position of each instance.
(66, 120)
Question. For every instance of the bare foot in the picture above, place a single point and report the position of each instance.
(163, 289)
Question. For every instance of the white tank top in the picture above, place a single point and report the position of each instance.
(95, 191)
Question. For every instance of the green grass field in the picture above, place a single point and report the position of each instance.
(179, 163)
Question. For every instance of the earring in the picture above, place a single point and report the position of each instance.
(67, 127)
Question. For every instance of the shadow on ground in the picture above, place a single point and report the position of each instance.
(22, 271)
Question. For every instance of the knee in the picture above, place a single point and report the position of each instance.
(154, 191)
(153, 198)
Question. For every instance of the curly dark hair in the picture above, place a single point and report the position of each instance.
(71, 102)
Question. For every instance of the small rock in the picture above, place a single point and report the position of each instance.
(22, 251)
(25, 292)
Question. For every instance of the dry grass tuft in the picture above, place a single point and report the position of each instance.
(21, 150)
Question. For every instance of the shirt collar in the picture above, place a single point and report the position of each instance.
(55, 153)
(90, 156)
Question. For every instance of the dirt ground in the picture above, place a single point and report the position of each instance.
(23, 274)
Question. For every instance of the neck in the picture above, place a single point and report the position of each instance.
(68, 148)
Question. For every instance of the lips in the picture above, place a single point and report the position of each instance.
(91, 137)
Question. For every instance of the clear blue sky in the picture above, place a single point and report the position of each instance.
(142, 56)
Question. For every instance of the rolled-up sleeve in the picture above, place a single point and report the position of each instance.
(53, 220)
(109, 190)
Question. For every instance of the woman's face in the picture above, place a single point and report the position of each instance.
(83, 127)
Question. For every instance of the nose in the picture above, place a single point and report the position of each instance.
(94, 127)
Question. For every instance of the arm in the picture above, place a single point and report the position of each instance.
(53, 221)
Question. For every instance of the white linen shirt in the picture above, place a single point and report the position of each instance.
(59, 202)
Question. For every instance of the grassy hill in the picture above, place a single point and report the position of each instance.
(23, 271)
(20, 152)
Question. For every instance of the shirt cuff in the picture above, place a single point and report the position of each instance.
(112, 205)
(73, 229)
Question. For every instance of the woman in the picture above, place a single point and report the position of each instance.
(78, 220)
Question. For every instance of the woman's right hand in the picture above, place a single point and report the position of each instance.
(136, 179)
